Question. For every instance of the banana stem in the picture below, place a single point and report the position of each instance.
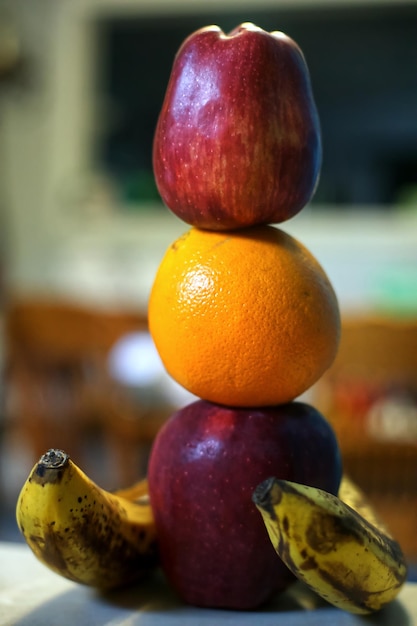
(50, 466)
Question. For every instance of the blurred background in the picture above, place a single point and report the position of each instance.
(82, 231)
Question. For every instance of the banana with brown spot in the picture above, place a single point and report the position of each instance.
(83, 532)
(350, 562)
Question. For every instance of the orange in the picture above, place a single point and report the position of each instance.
(243, 318)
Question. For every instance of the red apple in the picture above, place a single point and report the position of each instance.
(204, 466)
(238, 141)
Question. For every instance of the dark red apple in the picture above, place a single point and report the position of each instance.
(204, 466)
(238, 141)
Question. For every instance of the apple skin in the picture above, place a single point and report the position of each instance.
(238, 141)
(204, 465)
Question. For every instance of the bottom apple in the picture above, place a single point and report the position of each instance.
(204, 466)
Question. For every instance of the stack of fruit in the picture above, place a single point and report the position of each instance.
(241, 313)
(245, 318)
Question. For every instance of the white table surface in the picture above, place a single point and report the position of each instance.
(31, 595)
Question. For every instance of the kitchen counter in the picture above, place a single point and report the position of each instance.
(31, 595)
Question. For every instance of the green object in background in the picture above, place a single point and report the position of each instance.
(138, 188)
(396, 290)
(407, 197)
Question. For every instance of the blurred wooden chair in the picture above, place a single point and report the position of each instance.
(370, 397)
(60, 393)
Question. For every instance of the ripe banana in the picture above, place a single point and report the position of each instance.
(350, 562)
(83, 532)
